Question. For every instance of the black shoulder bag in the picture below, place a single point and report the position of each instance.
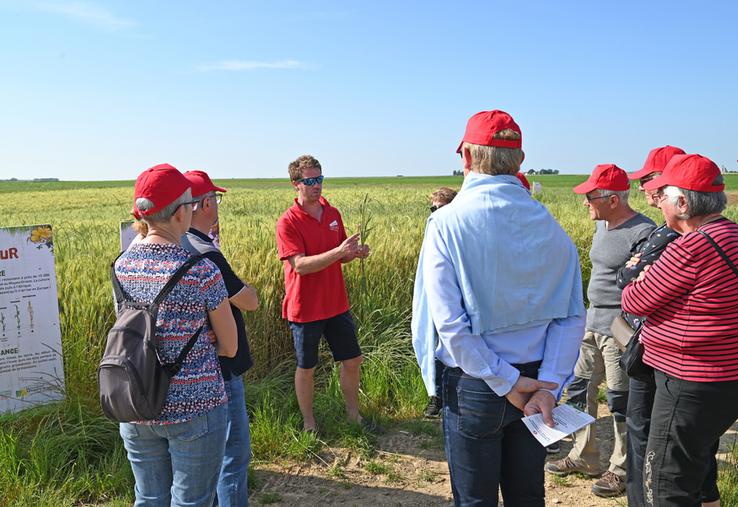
(632, 358)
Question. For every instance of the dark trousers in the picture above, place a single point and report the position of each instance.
(638, 421)
(440, 367)
(487, 446)
(686, 421)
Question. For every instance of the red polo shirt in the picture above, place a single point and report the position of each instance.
(320, 295)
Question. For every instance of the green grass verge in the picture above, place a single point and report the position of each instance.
(728, 478)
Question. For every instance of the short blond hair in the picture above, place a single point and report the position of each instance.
(302, 162)
(443, 195)
(141, 227)
(493, 160)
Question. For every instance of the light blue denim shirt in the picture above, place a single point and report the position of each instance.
(498, 283)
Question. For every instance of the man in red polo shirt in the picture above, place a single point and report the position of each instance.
(312, 244)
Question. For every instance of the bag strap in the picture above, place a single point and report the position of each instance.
(720, 252)
(173, 368)
(176, 277)
(120, 294)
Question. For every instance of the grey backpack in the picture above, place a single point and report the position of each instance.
(132, 378)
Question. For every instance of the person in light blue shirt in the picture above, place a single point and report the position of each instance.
(498, 300)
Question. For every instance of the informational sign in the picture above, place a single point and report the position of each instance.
(127, 234)
(31, 367)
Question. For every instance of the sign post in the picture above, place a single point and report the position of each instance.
(31, 366)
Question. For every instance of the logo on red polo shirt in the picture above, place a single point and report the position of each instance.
(333, 225)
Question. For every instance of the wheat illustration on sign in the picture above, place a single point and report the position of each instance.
(30, 315)
(17, 318)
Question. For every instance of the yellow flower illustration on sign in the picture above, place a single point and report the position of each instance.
(41, 234)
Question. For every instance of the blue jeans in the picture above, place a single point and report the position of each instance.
(487, 445)
(176, 464)
(233, 482)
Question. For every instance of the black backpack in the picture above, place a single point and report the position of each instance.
(132, 378)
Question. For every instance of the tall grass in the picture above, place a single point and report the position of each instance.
(67, 453)
(728, 478)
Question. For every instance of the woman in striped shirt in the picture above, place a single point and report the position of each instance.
(690, 297)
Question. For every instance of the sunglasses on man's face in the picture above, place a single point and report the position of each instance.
(309, 182)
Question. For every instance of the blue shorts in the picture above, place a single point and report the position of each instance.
(339, 332)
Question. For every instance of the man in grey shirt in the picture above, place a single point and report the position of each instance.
(618, 227)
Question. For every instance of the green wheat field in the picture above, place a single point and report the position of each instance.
(68, 454)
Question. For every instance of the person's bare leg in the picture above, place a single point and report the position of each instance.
(716, 503)
(304, 380)
(350, 376)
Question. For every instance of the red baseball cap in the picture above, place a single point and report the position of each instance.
(523, 180)
(656, 161)
(162, 185)
(691, 172)
(201, 183)
(481, 128)
(605, 177)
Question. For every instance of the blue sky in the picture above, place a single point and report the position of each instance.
(103, 89)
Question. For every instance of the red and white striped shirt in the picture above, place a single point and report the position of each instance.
(690, 296)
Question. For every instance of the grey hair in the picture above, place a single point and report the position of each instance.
(622, 194)
(698, 203)
(164, 214)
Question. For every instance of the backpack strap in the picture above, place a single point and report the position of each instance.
(175, 278)
(173, 368)
(720, 252)
(120, 294)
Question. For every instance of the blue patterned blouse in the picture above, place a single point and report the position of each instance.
(142, 271)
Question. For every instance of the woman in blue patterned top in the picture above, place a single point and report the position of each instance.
(176, 457)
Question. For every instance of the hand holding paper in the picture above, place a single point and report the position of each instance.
(543, 403)
(567, 420)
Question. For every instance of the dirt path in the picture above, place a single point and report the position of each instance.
(409, 469)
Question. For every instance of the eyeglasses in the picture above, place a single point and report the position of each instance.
(309, 182)
(217, 196)
(658, 195)
(591, 198)
(191, 203)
